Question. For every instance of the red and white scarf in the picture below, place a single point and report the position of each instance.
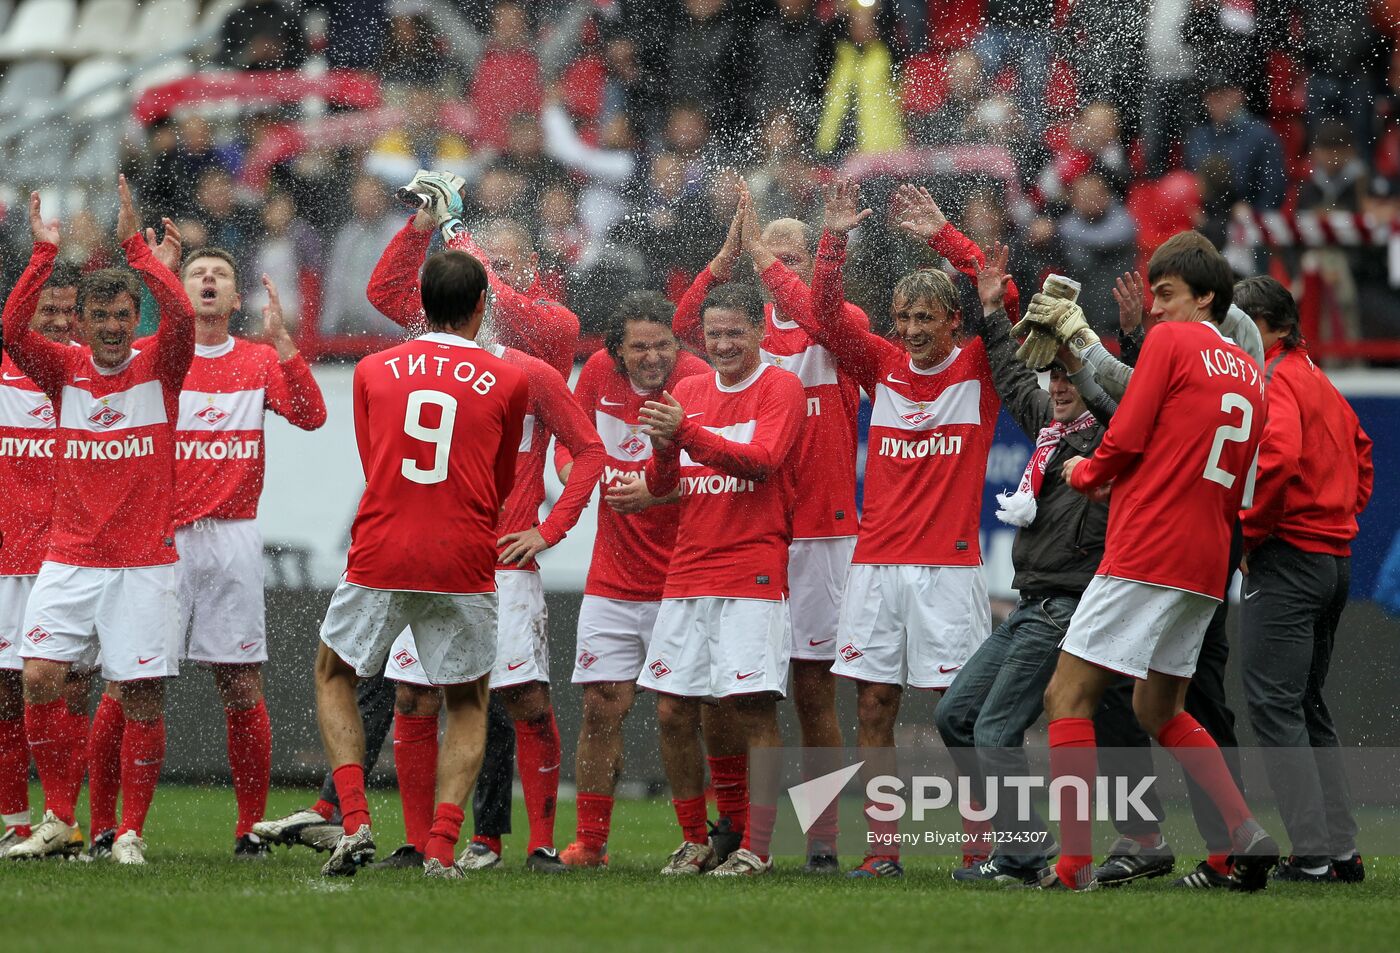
(1018, 509)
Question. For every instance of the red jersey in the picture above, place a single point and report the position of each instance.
(523, 321)
(27, 451)
(551, 410)
(827, 505)
(437, 421)
(735, 458)
(930, 433)
(1178, 453)
(1315, 472)
(114, 485)
(219, 436)
(630, 553)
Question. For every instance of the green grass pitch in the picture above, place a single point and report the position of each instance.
(194, 897)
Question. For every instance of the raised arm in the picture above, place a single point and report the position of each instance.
(292, 391)
(686, 323)
(394, 286)
(920, 216)
(1018, 388)
(174, 337)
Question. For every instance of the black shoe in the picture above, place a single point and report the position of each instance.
(1049, 879)
(1000, 870)
(1349, 871)
(1128, 860)
(1255, 854)
(405, 858)
(1204, 877)
(724, 839)
(250, 847)
(545, 860)
(1291, 871)
(821, 860)
(101, 846)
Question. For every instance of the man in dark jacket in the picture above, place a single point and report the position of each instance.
(998, 694)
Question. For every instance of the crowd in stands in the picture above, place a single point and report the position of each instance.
(1082, 133)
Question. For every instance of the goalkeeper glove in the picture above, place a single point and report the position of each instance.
(1038, 351)
(437, 193)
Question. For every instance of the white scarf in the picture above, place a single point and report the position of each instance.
(1019, 508)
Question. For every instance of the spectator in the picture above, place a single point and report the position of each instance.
(626, 91)
(609, 168)
(227, 222)
(1337, 177)
(561, 239)
(289, 250)
(1094, 141)
(793, 55)
(1017, 32)
(1251, 149)
(500, 193)
(711, 51)
(262, 34)
(1099, 239)
(953, 121)
(525, 155)
(412, 54)
(420, 142)
(687, 137)
(1341, 49)
(356, 250)
(861, 111)
(785, 185)
(508, 77)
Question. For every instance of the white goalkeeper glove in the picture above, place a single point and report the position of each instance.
(437, 193)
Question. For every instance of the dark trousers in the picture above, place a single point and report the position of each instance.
(491, 799)
(997, 696)
(1291, 606)
(1117, 727)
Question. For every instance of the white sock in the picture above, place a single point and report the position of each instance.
(15, 820)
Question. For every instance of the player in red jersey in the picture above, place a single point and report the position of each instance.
(730, 442)
(27, 447)
(825, 522)
(521, 317)
(109, 569)
(521, 674)
(438, 421)
(916, 605)
(640, 359)
(1178, 457)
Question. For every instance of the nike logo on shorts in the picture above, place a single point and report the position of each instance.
(745, 675)
(814, 643)
(945, 669)
(143, 661)
(511, 668)
(245, 646)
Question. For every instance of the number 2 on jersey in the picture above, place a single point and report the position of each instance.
(440, 436)
(1227, 433)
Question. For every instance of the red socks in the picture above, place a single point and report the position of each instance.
(250, 761)
(350, 788)
(415, 762)
(692, 815)
(729, 775)
(104, 756)
(75, 728)
(1074, 754)
(446, 828)
(143, 752)
(759, 832)
(1220, 863)
(325, 808)
(14, 776)
(1198, 753)
(594, 819)
(46, 726)
(979, 838)
(492, 842)
(538, 754)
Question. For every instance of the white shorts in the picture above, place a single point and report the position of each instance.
(130, 614)
(817, 570)
(457, 633)
(713, 647)
(911, 625)
(14, 594)
(522, 638)
(222, 619)
(1130, 627)
(613, 635)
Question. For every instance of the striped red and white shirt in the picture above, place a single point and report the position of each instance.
(28, 445)
(114, 481)
(930, 433)
(219, 465)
